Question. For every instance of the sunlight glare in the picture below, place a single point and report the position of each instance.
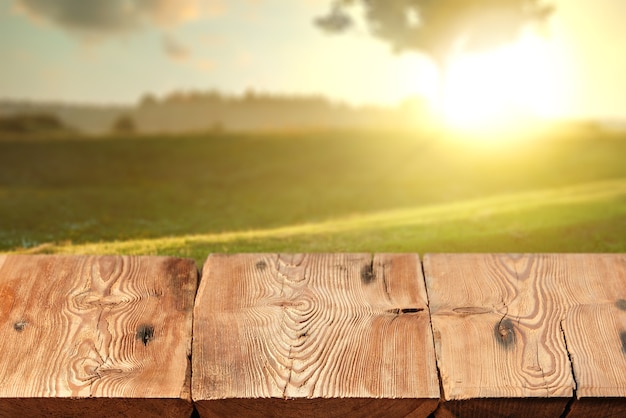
(498, 88)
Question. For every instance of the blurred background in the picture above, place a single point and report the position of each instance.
(186, 127)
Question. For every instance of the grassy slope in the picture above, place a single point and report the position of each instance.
(313, 192)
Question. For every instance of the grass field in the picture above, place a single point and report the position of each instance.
(557, 191)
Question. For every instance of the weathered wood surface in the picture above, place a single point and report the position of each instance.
(540, 335)
(506, 327)
(313, 335)
(593, 296)
(95, 336)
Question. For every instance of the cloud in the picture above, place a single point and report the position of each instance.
(106, 17)
(174, 49)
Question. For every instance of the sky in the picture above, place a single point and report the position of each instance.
(115, 51)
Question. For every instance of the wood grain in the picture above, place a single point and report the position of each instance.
(593, 293)
(95, 335)
(313, 335)
(497, 327)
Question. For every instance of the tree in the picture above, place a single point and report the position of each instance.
(32, 123)
(124, 124)
(148, 100)
(442, 29)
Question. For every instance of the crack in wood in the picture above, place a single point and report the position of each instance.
(505, 330)
(400, 311)
(384, 280)
(436, 341)
(568, 407)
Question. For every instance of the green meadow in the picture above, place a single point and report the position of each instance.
(554, 190)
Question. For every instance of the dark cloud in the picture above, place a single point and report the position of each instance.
(440, 28)
(174, 49)
(102, 17)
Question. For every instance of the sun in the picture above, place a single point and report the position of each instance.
(498, 88)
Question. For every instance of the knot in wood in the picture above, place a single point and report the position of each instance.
(367, 273)
(145, 333)
(505, 333)
(20, 325)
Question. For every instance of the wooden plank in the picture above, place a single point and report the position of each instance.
(502, 407)
(313, 335)
(95, 336)
(593, 290)
(498, 338)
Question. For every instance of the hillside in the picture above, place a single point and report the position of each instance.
(344, 191)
